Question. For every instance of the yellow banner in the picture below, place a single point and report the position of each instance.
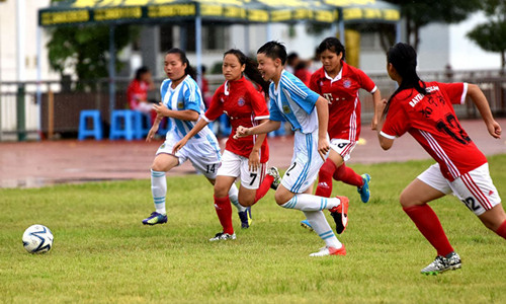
(258, 15)
(211, 10)
(177, 10)
(51, 18)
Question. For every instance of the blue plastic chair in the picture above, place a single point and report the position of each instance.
(123, 125)
(142, 124)
(96, 130)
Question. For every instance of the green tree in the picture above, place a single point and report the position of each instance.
(420, 13)
(85, 49)
(491, 36)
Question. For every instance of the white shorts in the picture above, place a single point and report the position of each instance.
(306, 163)
(235, 165)
(475, 188)
(203, 154)
(343, 147)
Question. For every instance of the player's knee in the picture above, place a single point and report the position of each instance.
(407, 200)
(327, 170)
(246, 202)
(280, 198)
(220, 191)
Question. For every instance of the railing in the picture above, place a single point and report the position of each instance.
(50, 109)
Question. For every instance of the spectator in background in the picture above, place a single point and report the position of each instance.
(302, 72)
(291, 61)
(137, 92)
(206, 94)
(315, 63)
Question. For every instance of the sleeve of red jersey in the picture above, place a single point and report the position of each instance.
(366, 82)
(313, 83)
(259, 105)
(457, 91)
(215, 108)
(396, 123)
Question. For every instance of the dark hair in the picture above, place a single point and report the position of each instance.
(332, 44)
(140, 71)
(274, 50)
(291, 57)
(182, 55)
(250, 70)
(403, 57)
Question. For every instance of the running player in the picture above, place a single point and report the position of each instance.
(339, 83)
(182, 104)
(243, 157)
(424, 109)
(304, 109)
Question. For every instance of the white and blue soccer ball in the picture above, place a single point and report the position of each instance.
(38, 239)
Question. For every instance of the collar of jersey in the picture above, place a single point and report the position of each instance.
(227, 92)
(173, 89)
(338, 76)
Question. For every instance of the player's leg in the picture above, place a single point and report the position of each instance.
(342, 173)
(223, 207)
(429, 186)
(163, 162)
(478, 192)
(326, 173)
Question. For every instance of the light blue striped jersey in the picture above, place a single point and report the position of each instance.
(186, 96)
(294, 101)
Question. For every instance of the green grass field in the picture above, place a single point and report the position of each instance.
(103, 254)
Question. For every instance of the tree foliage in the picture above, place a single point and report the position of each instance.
(420, 13)
(85, 49)
(491, 36)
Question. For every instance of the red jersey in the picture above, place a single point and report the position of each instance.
(342, 95)
(431, 120)
(137, 90)
(245, 106)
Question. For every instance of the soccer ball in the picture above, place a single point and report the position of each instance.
(37, 239)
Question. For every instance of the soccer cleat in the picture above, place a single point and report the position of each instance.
(155, 218)
(442, 264)
(245, 217)
(273, 171)
(306, 224)
(325, 251)
(340, 214)
(221, 236)
(365, 194)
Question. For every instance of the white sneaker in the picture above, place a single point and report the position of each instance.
(221, 236)
(325, 251)
(442, 264)
(274, 172)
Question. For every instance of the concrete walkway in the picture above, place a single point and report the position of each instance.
(36, 164)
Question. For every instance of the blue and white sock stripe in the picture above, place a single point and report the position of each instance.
(307, 165)
(323, 203)
(159, 200)
(157, 173)
(291, 203)
(327, 235)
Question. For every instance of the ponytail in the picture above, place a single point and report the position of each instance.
(403, 57)
(189, 70)
(250, 70)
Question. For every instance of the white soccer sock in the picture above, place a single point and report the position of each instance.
(322, 228)
(159, 190)
(309, 202)
(233, 195)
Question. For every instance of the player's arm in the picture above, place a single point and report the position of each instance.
(322, 109)
(481, 103)
(201, 124)
(154, 128)
(254, 157)
(379, 106)
(386, 141)
(264, 128)
(161, 109)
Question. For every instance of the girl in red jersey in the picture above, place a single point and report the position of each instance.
(339, 83)
(424, 109)
(243, 157)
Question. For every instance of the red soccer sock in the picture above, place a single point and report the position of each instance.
(348, 176)
(501, 231)
(429, 225)
(325, 179)
(264, 187)
(224, 211)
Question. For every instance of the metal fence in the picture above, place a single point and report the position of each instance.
(50, 109)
